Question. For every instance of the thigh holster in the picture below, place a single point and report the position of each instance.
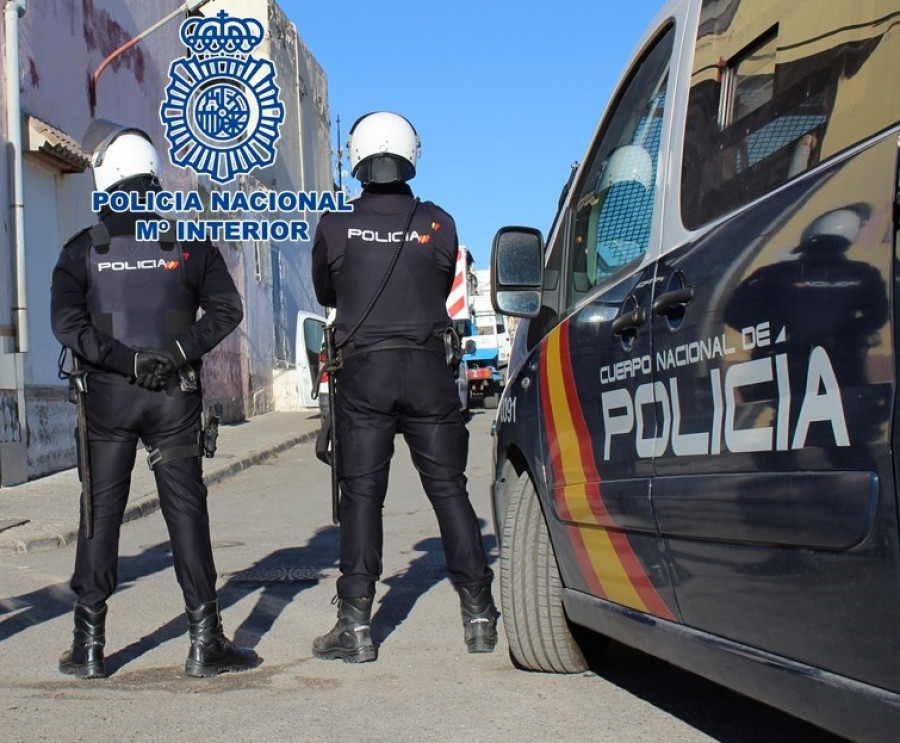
(183, 446)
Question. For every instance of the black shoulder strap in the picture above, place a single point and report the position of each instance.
(167, 240)
(99, 237)
(387, 275)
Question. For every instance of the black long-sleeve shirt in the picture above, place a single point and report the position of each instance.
(352, 251)
(205, 272)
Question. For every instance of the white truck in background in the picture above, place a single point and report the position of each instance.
(486, 346)
(484, 339)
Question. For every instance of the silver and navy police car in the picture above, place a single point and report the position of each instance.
(696, 452)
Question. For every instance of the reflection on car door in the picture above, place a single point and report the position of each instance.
(774, 487)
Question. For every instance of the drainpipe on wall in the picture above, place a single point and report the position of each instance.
(15, 9)
(189, 7)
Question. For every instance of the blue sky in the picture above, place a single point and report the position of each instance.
(505, 95)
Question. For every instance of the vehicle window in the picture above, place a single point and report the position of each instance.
(768, 103)
(614, 198)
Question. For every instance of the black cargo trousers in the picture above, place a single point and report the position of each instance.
(409, 391)
(120, 413)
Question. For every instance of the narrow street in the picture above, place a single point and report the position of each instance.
(276, 554)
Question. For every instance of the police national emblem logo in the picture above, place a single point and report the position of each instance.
(222, 111)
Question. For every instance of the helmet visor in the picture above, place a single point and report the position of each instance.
(100, 134)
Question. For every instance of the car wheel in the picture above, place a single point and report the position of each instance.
(539, 633)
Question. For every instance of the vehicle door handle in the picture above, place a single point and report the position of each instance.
(629, 321)
(677, 298)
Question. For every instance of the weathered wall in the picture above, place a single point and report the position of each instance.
(62, 42)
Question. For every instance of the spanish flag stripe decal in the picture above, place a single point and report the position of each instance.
(604, 561)
(605, 554)
(575, 534)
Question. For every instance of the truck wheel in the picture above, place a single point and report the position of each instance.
(539, 633)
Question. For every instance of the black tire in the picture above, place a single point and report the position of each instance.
(539, 634)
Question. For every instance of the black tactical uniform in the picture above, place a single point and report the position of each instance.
(111, 297)
(395, 378)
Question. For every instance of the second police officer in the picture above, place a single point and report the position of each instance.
(387, 268)
(127, 310)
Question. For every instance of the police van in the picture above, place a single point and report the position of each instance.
(696, 450)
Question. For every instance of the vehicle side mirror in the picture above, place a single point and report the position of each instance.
(517, 271)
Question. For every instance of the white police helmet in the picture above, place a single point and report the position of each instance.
(627, 163)
(118, 153)
(383, 148)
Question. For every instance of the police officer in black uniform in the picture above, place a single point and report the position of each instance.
(127, 310)
(395, 378)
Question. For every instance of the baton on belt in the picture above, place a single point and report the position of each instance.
(78, 380)
(333, 365)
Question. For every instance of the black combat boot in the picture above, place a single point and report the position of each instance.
(479, 616)
(211, 652)
(85, 658)
(349, 639)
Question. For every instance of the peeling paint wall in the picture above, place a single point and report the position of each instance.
(10, 430)
(62, 43)
(50, 417)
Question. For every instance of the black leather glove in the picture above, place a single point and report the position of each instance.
(152, 369)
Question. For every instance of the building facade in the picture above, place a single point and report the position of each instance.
(77, 61)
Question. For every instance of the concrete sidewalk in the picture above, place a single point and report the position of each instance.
(43, 514)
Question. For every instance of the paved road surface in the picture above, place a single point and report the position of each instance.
(276, 554)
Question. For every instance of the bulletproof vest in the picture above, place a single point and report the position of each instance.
(138, 291)
(413, 303)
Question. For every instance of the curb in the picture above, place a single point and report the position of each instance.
(146, 503)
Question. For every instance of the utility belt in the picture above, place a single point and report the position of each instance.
(447, 344)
